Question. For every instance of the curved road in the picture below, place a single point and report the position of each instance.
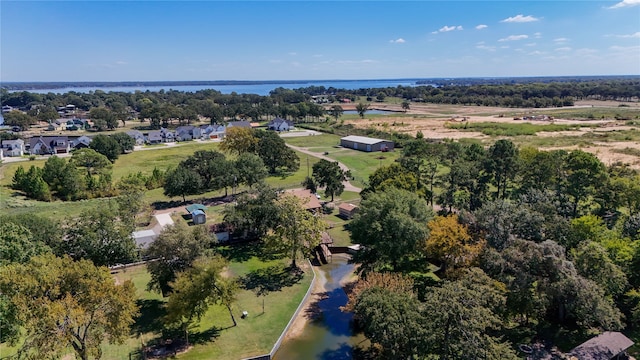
(347, 185)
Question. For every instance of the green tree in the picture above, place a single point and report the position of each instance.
(336, 111)
(362, 108)
(103, 118)
(101, 236)
(205, 163)
(182, 182)
(20, 119)
(107, 146)
(16, 244)
(390, 226)
(406, 106)
(501, 165)
(195, 289)
(330, 176)
(250, 169)
(275, 154)
(174, 251)
(94, 162)
(44, 232)
(391, 176)
(62, 304)
(126, 142)
(585, 173)
(297, 231)
(593, 262)
(463, 328)
(254, 212)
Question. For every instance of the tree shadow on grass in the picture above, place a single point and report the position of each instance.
(269, 279)
(241, 252)
(150, 318)
(204, 336)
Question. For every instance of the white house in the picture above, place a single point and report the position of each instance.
(13, 147)
(279, 124)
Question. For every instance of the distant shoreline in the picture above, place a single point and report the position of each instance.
(36, 85)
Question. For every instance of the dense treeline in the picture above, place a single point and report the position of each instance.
(163, 108)
(526, 241)
(535, 94)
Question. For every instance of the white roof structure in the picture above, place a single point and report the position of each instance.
(144, 237)
(363, 139)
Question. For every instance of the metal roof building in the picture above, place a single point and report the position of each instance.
(367, 144)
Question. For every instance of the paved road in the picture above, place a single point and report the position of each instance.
(347, 185)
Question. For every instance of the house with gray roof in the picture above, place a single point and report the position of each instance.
(280, 124)
(155, 137)
(46, 145)
(137, 136)
(81, 143)
(609, 345)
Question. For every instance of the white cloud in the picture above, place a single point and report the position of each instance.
(514, 38)
(120, 62)
(522, 19)
(293, 53)
(537, 35)
(397, 41)
(625, 3)
(448, 28)
(630, 36)
(536, 53)
(530, 44)
(633, 49)
(482, 46)
(566, 48)
(481, 26)
(561, 40)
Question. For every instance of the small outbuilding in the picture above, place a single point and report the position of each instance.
(367, 144)
(346, 211)
(198, 215)
(609, 345)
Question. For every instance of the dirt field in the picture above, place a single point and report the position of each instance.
(432, 121)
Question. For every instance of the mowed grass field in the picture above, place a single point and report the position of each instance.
(215, 337)
(143, 161)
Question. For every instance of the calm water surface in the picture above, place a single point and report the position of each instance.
(330, 336)
(260, 89)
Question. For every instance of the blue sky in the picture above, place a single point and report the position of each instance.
(293, 40)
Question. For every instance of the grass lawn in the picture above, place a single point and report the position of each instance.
(363, 164)
(215, 337)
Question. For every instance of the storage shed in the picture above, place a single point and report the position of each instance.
(346, 211)
(198, 215)
(367, 144)
(609, 345)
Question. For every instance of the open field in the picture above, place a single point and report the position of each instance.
(590, 125)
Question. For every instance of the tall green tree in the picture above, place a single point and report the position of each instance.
(126, 142)
(501, 165)
(250, 169)
(297, 231)
(391, 225)
(275, 154)
(254, 212)
(91, 160)
(62, 304)
(16, 244)
(197, 288)
(182, 182)
(107, 146)
(330, 176)
(336, 111)
(174, 251)
(101, 236)
(584, 174)
(20, 119)
(362, 108)
(103, 118)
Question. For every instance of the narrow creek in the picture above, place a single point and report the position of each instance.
(328, 335)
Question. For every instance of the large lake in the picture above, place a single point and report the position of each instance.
(260, 89)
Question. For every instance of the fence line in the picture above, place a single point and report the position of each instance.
(276, 346)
